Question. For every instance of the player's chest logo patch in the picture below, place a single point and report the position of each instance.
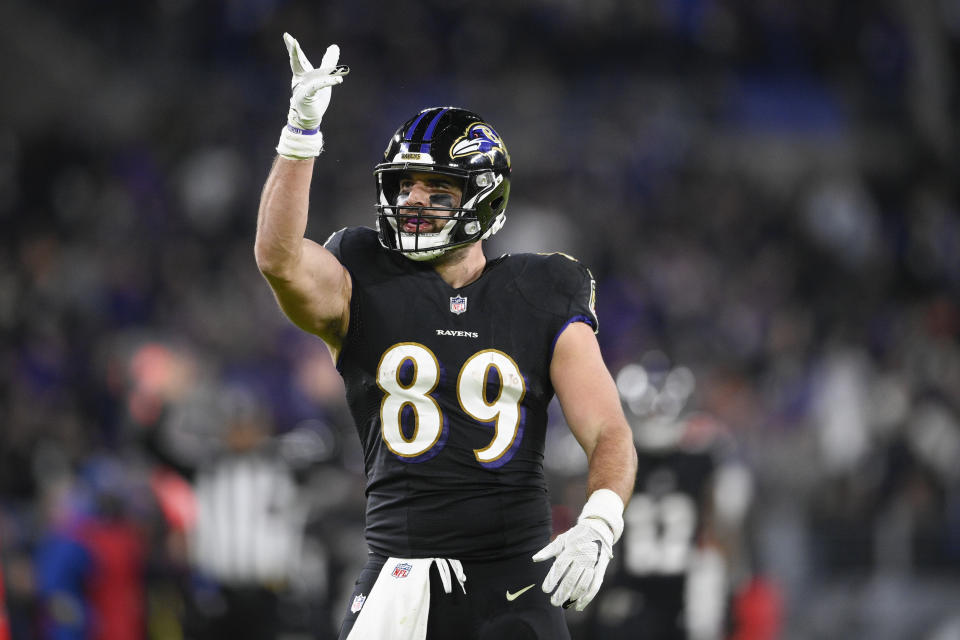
(402, 570)
(458, 304)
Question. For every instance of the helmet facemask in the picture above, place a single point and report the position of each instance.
(461, 225)
(455, 144)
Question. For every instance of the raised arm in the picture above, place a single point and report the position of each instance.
(310, 284)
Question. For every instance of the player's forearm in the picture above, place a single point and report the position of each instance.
(613, 463)
(282, 218)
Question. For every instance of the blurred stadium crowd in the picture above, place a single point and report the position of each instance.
(765, 191)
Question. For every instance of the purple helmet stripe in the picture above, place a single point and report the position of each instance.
(413, 127)
(428, 134)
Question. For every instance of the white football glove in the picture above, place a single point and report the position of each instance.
(311, 88)
(583, 552)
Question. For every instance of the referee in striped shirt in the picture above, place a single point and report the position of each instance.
(246, 541)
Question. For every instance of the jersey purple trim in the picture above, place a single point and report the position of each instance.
(580, 318)
(432, 451)
(517, 439)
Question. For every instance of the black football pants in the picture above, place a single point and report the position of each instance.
(503, 601)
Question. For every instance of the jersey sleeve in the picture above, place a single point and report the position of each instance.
(334, 244)
(359, 250)
(577, 284)
(561, 286)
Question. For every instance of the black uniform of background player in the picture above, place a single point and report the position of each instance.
(440, 497)
(671, 576)
(662, 523)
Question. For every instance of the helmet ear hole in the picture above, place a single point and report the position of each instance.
(496, 203)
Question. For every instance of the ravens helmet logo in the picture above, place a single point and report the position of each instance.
(479, 139)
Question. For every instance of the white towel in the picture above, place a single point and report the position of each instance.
(398, 605)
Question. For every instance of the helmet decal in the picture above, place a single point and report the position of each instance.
(479, 139)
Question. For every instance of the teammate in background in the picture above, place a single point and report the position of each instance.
(449, 361)
(682, 542)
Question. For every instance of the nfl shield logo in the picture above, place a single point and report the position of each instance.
(402, 570)
(358, 603)
(458, 304)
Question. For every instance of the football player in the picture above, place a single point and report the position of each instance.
(450, 360)
(680, 545)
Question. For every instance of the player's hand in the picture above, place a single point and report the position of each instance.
(582, 555)
(311, 88)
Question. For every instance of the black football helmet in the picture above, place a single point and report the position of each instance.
(456, 143)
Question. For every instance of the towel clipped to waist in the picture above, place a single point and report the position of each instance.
(398, 605)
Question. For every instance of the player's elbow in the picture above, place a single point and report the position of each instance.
(272, 261)
(265, 263)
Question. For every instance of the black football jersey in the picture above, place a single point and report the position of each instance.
(664, 517)
(449, 390)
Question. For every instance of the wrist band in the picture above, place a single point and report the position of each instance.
(299, 143)
(303, 132)
(607, 506)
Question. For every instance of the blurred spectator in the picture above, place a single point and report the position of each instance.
(91, 565)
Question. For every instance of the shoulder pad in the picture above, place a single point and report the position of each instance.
(559, 284)
(348, 240)
(359, 250)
